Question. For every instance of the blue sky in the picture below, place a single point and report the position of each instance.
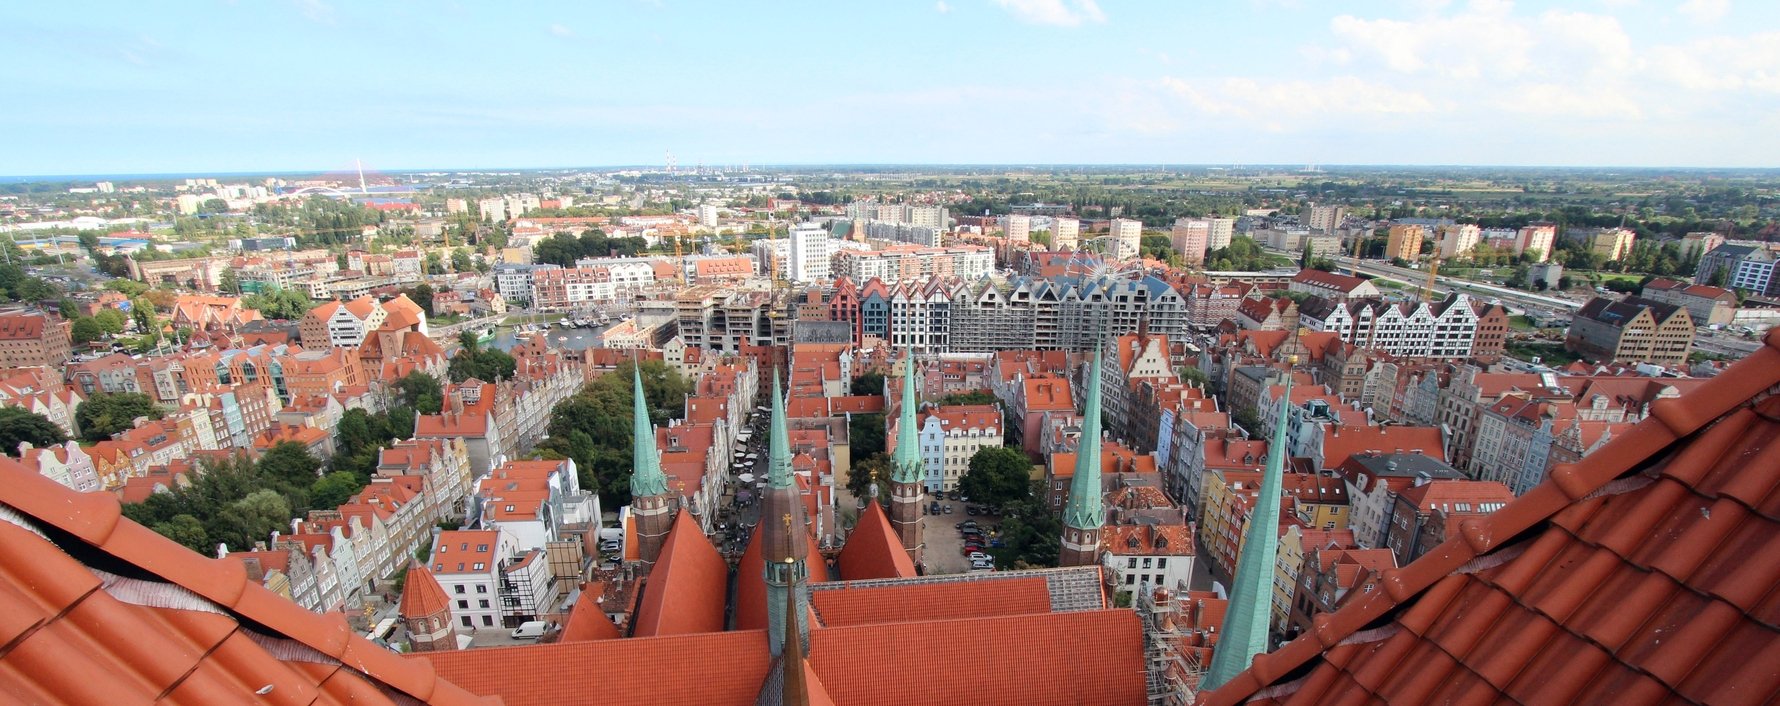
(313, 84)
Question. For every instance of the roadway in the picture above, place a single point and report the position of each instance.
(1444, 285)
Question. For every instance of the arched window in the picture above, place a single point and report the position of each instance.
(222, 374)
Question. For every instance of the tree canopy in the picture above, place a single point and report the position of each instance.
(421, 392)
(564, 249)
(1030, 531)
(474, 361)
(276, 303)
(104, 414)
(997, 475)
(593, 427)
(17, 424)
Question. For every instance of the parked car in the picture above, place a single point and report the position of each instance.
(934, 509)
(979, 556)
(948, 509)
(530, 630)
(982, 565)
(967, 524)
(997, 543)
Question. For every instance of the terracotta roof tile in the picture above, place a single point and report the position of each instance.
(873, 551)
(859, 605)
(1626, 577)
(421, 593)
(715, 668)
(1090, 657)
(72, 640)
(587, 620)
(686, 591)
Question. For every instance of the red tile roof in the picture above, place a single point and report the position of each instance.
(686, 591)
(587, 620)
(689, 670)
(958, 600)
(422, 595)
(873, 551)
(1627, 577)
(1089, 657)
(1341, 443)
(165, 623)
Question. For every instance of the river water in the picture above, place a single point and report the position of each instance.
(573, 339)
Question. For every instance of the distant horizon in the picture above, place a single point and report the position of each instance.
(116, 88)
(1285, 167)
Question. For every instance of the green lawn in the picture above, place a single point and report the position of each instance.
(1521, 322)
(1549, 354)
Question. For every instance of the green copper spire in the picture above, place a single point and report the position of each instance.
(905, 463)
(646, 477)
(1084, 511)
(778, 459)
(1246, 621)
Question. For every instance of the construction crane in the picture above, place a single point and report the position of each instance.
(1433, 273)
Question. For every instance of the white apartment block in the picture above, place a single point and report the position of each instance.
(1065, 233)
(810, 253)
(1445, 329)
(910, 262)
(1127, 238)
(1017, 228)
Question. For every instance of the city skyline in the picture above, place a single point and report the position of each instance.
(309, 86)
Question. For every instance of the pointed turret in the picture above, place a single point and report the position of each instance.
(1083, 516)
(781, 526)
(651, 506)
(426, 611)
(906, 467)
(1246, 621)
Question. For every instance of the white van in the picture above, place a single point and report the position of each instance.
(530, 630)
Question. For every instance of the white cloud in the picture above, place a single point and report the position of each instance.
(316, 10)
(1058, 13)
(561, 31)
(941, 7)
(1705, 11)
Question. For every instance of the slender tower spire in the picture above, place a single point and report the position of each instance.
(1246, 622)
(782, 539)
(906, 467)
(1083, 517)
(650, 505)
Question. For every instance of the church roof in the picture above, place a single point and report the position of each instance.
(587, 620)
(677, 670)
(99, 609)
(1086, 657)
(686, 591)
(750, 581)
(1090, 657)
(873, 551)
(849, 604)
(1626, 576)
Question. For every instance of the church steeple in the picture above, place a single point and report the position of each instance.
(782, 535)
(1084, 516)
(651, 506)
(906, 467)
(1246, 622)
(646, 477)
